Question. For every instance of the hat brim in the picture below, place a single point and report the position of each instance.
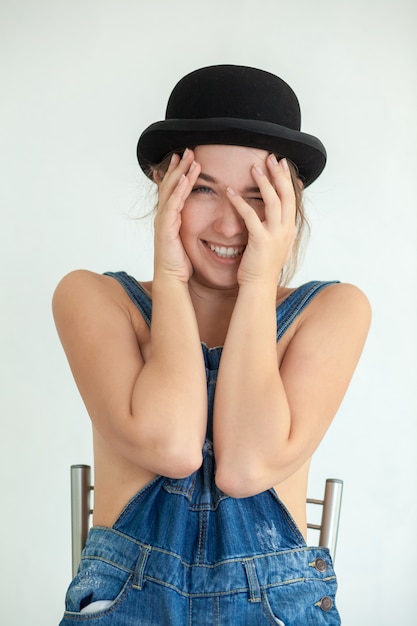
(161, 138)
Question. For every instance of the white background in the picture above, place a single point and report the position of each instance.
(79, 81)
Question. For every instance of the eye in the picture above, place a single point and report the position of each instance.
(202, 189)
(256, 202)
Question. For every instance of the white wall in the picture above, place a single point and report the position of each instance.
(79, 81)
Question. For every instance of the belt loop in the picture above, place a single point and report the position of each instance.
(140, 567)
(254, 588)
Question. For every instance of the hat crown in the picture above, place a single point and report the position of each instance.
(234, 91)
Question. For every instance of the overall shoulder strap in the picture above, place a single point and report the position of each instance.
(286, 313)
(136, 293)
(292, 306)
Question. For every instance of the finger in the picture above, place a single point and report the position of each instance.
(185, 185)
(268, 193)
(175, 159)
(177, 170)
(181, 162)
(177, 166)
(282, 180)
(246, 212)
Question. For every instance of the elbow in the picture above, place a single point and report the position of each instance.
(245, 481)
(161, 452)
(239, 484)
(172, 459)
(179, 463)
(164, 456)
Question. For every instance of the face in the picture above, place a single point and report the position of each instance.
(213, 234)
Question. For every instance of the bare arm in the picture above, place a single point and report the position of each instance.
(270, 417)
(152, 411)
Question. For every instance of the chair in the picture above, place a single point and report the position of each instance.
(81, 511)
(330, 514)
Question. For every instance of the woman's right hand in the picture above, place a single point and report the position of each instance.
(171, 259)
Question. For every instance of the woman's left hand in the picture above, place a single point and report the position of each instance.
(271, 235)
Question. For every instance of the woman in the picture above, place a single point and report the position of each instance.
(205, 421)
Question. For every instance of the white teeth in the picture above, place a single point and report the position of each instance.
(226, 252)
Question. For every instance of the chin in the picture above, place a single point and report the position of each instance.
(224, 283)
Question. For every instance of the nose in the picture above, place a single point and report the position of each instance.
(228, 221)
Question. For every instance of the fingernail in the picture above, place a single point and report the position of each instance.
(181, 180)
(259, 170)
(174, 156)
(231, 191)
(193, 164)
(284, 164)
(274, 159)
(186, 151)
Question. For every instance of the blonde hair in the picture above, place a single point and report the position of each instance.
(301, 223)
(302, 226)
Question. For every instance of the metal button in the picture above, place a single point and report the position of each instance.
(326, 603)
(320, 565)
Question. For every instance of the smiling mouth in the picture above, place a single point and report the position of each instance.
(226, 252)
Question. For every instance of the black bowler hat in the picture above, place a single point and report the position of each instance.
(233, 105)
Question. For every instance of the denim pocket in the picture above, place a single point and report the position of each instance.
(272, 615)
(97, 580)
(300, 603)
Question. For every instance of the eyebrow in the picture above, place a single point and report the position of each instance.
(211, 179)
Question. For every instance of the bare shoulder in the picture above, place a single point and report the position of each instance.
(86, 304)
(83, 291)
(343, 301)
(84, 283)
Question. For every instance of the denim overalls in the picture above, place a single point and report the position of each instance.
(183, 553)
